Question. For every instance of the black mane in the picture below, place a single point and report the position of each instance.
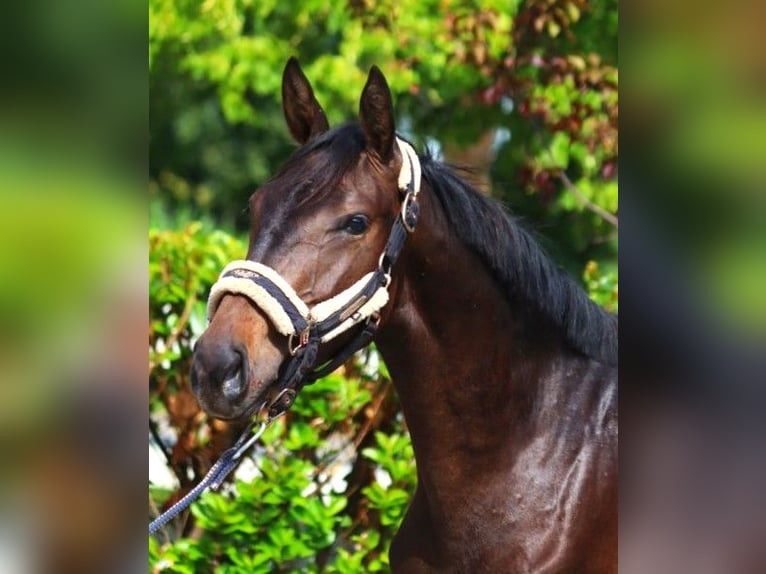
(521, 267)
(512, 255)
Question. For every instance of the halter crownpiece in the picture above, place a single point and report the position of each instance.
(409, 174)
(308, 327)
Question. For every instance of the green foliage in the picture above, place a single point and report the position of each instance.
(393, 455)
(602, 286)
(289, 518)
(182, 267)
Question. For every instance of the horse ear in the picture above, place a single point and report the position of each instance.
(376, 114)
(305, 117)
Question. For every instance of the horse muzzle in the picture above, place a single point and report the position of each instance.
(233, 369)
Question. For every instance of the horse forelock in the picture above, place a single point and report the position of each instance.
(316, 168)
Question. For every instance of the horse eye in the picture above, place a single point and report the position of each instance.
(356, 224)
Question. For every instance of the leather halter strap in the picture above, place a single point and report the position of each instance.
(308, 327)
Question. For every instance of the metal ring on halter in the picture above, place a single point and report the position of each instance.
(408, 199)
(303, 339)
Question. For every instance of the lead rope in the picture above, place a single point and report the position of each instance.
(217, 473)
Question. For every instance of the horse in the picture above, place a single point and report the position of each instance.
(506, 371)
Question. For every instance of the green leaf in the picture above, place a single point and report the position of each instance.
(559, 149)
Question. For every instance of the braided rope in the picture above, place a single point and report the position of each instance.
(215, 476)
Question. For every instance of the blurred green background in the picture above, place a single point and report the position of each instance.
(73, 203)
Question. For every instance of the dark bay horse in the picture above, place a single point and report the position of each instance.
(505, 369)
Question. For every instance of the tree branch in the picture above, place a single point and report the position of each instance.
(588, 204)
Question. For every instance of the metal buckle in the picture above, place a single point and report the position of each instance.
(385, 268)
(303, 339)
(288, 392)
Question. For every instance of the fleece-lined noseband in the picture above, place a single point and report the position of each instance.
(307, 328)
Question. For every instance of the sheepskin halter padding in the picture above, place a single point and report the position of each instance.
(239, 277)
(289, 314)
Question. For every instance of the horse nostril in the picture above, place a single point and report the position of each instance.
(232, 387)
(233, 384)
(219, 369)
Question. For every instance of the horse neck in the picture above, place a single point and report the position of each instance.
(470, 370)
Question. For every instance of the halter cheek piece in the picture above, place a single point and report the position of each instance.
(307, 328)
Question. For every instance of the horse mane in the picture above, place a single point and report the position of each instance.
(510, 252)
(520, 265)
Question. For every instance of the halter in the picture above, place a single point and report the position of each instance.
(306, 328)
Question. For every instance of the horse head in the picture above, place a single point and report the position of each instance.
(317, 228)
